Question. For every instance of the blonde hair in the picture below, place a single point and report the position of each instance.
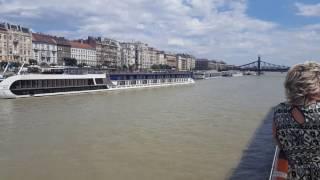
(302, 82)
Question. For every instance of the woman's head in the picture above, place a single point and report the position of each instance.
(303, 83)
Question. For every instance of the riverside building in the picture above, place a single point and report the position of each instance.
(64, 49)
(182, 62)
(15, 43)
(108, 52)
(205, 64)
(83, 53)
(160, 58)
(191, 62)
(44, 49)
(152, 52)
(171, 60)
(142, 56)
(128, 54)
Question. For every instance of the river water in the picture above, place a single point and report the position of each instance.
(188, 132)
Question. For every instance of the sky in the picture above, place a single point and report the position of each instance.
(283, 32)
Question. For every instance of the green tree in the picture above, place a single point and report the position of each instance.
(106, 63)
(82, 65)
(99, 66)
(15, 64)
(3, 64)
(44, 64)
(132, 67)
(124, 67)
(33, 62)
(70, 62)
(155, 67)
(164, 66)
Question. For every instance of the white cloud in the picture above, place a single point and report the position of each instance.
(308, 9)
(176, 42)
(217, 29)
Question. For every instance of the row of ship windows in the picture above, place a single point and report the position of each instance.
(33, 92)
(154, 81)
(54, 83)
(130, 77)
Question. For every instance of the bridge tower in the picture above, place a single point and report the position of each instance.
(259, 65)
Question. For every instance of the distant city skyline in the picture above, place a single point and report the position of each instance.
(236, 31)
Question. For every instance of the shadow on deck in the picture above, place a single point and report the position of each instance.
(256, 160)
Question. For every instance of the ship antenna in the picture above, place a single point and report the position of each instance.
(5, 69)
(21, 68)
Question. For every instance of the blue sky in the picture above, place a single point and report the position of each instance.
(236, 31)
(282, 12)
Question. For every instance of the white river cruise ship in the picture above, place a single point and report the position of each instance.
(29, 85)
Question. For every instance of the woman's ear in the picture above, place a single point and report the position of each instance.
(313, 98)
(316, 97)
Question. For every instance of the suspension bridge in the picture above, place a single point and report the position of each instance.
(262, 66)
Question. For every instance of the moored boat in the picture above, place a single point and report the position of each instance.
(237, 74)
(143, 80)
(206, 74)
(28, 85)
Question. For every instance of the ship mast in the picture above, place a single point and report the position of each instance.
(21, 68)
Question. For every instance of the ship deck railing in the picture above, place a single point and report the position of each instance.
(279, 168)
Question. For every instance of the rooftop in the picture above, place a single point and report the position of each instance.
(36, 37)
(14, 27)
(62, 41)
(80, 45)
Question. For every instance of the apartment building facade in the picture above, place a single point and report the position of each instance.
(142, 56)
(171, 60)
(15, 43)
(44, 49)
(108, 52)
(83, 53)
(63, 49)
(128, 54)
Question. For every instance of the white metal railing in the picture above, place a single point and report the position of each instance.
(275, 172)
(150, 82)
(274, 163)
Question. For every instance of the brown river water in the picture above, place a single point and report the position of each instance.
(193, 132)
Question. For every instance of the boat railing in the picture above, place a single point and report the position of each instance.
(274, 163)
(151, 73)
(83, 71)
(279, 166)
